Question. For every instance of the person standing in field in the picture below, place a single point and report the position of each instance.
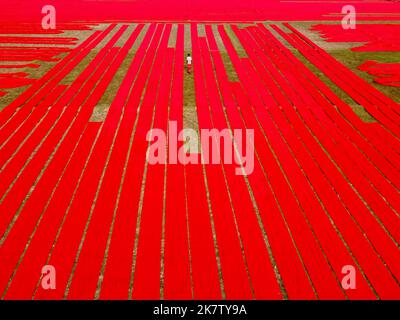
(189, 63)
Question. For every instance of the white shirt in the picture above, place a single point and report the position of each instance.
(189, 60)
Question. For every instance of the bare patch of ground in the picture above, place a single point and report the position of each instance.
(173, 36)
(99, 113)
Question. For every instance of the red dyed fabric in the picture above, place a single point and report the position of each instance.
(14, 74)
(29, 28)
(12, 82)
(19, 44)
(19, 66)
(378, 37)
(387, 74)
(118, 227)
(38, 40)
(195, 10)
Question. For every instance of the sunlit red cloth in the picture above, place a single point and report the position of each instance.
(387, 74)
(378, 37)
